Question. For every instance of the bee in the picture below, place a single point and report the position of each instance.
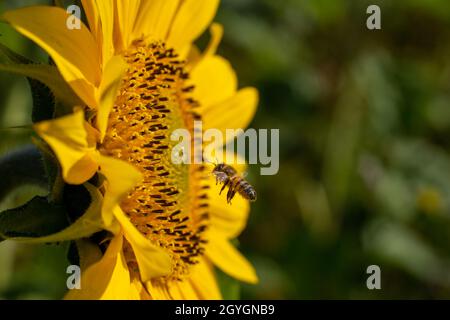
(227, 175)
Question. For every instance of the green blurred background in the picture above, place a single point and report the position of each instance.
(364, 178)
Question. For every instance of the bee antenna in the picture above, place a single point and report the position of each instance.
(213, 163)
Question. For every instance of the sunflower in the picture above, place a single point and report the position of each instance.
(139, 76)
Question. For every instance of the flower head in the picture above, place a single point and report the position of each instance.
(139, 77)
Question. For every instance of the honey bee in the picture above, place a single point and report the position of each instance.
(227, 175)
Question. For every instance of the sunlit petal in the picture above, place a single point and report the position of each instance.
(229, 259)
(68, 138)
(152, 260)
(154, 19)
(191, 20)
(74, 51)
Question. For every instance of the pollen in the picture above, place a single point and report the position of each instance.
(170, 206)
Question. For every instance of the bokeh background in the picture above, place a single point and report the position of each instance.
(364, 176)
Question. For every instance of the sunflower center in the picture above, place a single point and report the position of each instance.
(170, 206)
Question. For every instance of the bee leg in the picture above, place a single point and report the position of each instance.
(224, 186)
(230, 194)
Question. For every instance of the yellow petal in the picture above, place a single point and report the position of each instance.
(193, 57)
(82, 170)
(92, 15)
(152, 260)
(204, 281)
(105, 9)
(108, 279)
(229, 259)
(234, 113)
(89, 223)
(107, 93)
(182, 290)
(191, 20)
(121, 177)
(215, 81)
(230, 220)
(74, 51)
(127, 13)
(154, 19)
(93, 135)
(157, 290)
(68, 138)
(216, 36)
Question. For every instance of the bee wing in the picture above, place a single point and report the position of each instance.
(221, 176)
(244, 174)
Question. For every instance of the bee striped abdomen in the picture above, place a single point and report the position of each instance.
(230, 178)
(246, 190)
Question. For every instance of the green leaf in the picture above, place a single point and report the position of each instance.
(43, 101)
(51, 94)
(21, 167)
(72, 254)
(13, 57)
(53, 171)
(43, 98)
(19, 224)
(36, 218)
(50, 76)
